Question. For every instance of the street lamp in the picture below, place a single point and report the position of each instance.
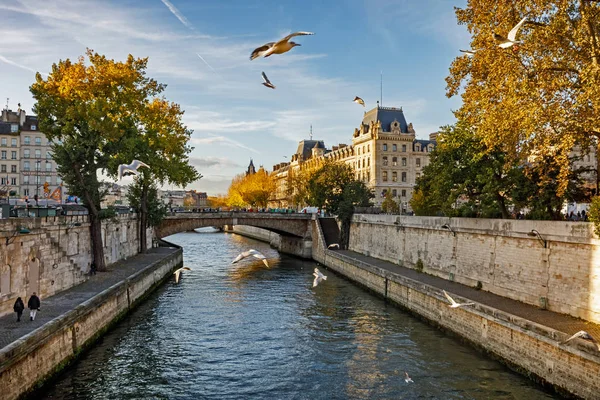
(446, 226)
(19, 230)
(535, 233)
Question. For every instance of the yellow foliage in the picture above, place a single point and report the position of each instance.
(251, 190)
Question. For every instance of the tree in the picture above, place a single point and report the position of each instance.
(334, 188)
(217, 201)
(252, 189)
(541, 96)
(297, 186)
(156, 209)
(389, 205)
(82, 109)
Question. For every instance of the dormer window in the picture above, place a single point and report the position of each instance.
(14, 128)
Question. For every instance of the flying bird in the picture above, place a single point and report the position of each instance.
(267, 82)
(318, 277)
(358, 100)
(454, 304)
(280, 47)
(585, 336)
(178, 272)
(510, 40)
(131, 168)
(333, 246)
(251, 253)
(470, 53)
(407, 378)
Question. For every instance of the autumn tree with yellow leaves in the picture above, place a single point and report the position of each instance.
(537, 99)
(251, 190)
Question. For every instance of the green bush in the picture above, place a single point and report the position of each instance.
(594, 214)
(419, 265)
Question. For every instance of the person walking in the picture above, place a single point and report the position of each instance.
(34, 306)
(19, 307)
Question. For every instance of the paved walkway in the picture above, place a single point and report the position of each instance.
(559, 322)
(54, 306)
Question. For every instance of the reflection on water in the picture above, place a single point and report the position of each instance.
(245, 331)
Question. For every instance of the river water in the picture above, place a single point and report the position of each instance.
(244, 331)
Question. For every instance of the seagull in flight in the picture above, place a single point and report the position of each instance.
(267, 82)
(131, 168)
(510, 40)
(358, 100)
(585, 336)
(470, 53)
(251, 253)
(178, 272)
(333, 246)
(407, 378)
(318, 277)
(280, 47)
(454, 304)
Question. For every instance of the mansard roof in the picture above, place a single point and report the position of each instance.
(386, 116)
(305, 147)
(424, 143)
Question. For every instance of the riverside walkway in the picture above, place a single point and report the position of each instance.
(560, 322)
(54, 306)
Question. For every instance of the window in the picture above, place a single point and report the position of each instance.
(13, 181)
(363, 149)
(359, 151)
(48, 179)
(369, 162)
(38, 166)
(368, 176)
(404, 161)
(33, 127)
(394, 161)
(3, 154)
(3, 181)
(418, 175)
(38, 141)
(27, 140)
(26, 166)
(394, 147)
(363, 162)
(14, 128)
(385, 160)
(404, 148)
(3, 168)
(13, 155)
(384, 176)
(418, 161)
(418, 147)
(26, 153)
(38, 154)
(403, 193)
(13, 142)
(369, 148)
(48, 166)
(26, 180)
(394, 193)
(3, 142)
(385, 147)
(13, 169)
(25, 192)
(48, 155)
(394, 176)
(404, 177)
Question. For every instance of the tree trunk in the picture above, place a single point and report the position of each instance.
(502, 204)
(345, 233)
(143, 218)
(597, 167)
(96, 236)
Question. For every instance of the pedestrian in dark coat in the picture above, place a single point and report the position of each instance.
(34, 305)
(19, 307)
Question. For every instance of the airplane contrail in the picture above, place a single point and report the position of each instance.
(207, 64)
(177, 14)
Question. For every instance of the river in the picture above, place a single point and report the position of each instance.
(244, 331)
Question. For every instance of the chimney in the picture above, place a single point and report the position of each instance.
(5, 115)
(433, 136)
(22, 117)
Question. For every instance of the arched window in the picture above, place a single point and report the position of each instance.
(363, 162)
(369, 162)
(369, 148)
(385, 160)
(394, 161)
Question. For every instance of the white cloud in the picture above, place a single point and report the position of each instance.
(214, 162)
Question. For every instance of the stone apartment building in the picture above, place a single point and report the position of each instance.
(384, 153)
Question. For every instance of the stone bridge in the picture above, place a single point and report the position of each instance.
(295, 230)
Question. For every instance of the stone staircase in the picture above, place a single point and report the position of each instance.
(61, 254)
(331, 231)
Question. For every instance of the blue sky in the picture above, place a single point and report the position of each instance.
(233, 116)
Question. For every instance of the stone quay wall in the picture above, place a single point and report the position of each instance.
(559, 270)
(29, 361)
(56, 254)
(296, 246)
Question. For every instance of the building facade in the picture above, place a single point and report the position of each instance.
(384, 153)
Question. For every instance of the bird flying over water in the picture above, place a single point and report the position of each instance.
(267, 82)
(585, 336)
(358, 100)
(454, 304)
(131, 168)
(510, 40)
(178, 272)
(333, 246)
(280, 47)
(318, 277)
(251, 253)
(407, 378)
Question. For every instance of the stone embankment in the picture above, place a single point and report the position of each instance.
(72, 320)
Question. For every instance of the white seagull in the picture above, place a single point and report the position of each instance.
(454, 304)
(267, 82)
(178, 272)
(131, 168)
(358, 100)
(280, 47)
(510, 40)
(333, 246)
(318, 277)
(585, 336)
(470, 53)
(251, 253)
(407, 378)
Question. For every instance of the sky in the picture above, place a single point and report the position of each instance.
(200, 49)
